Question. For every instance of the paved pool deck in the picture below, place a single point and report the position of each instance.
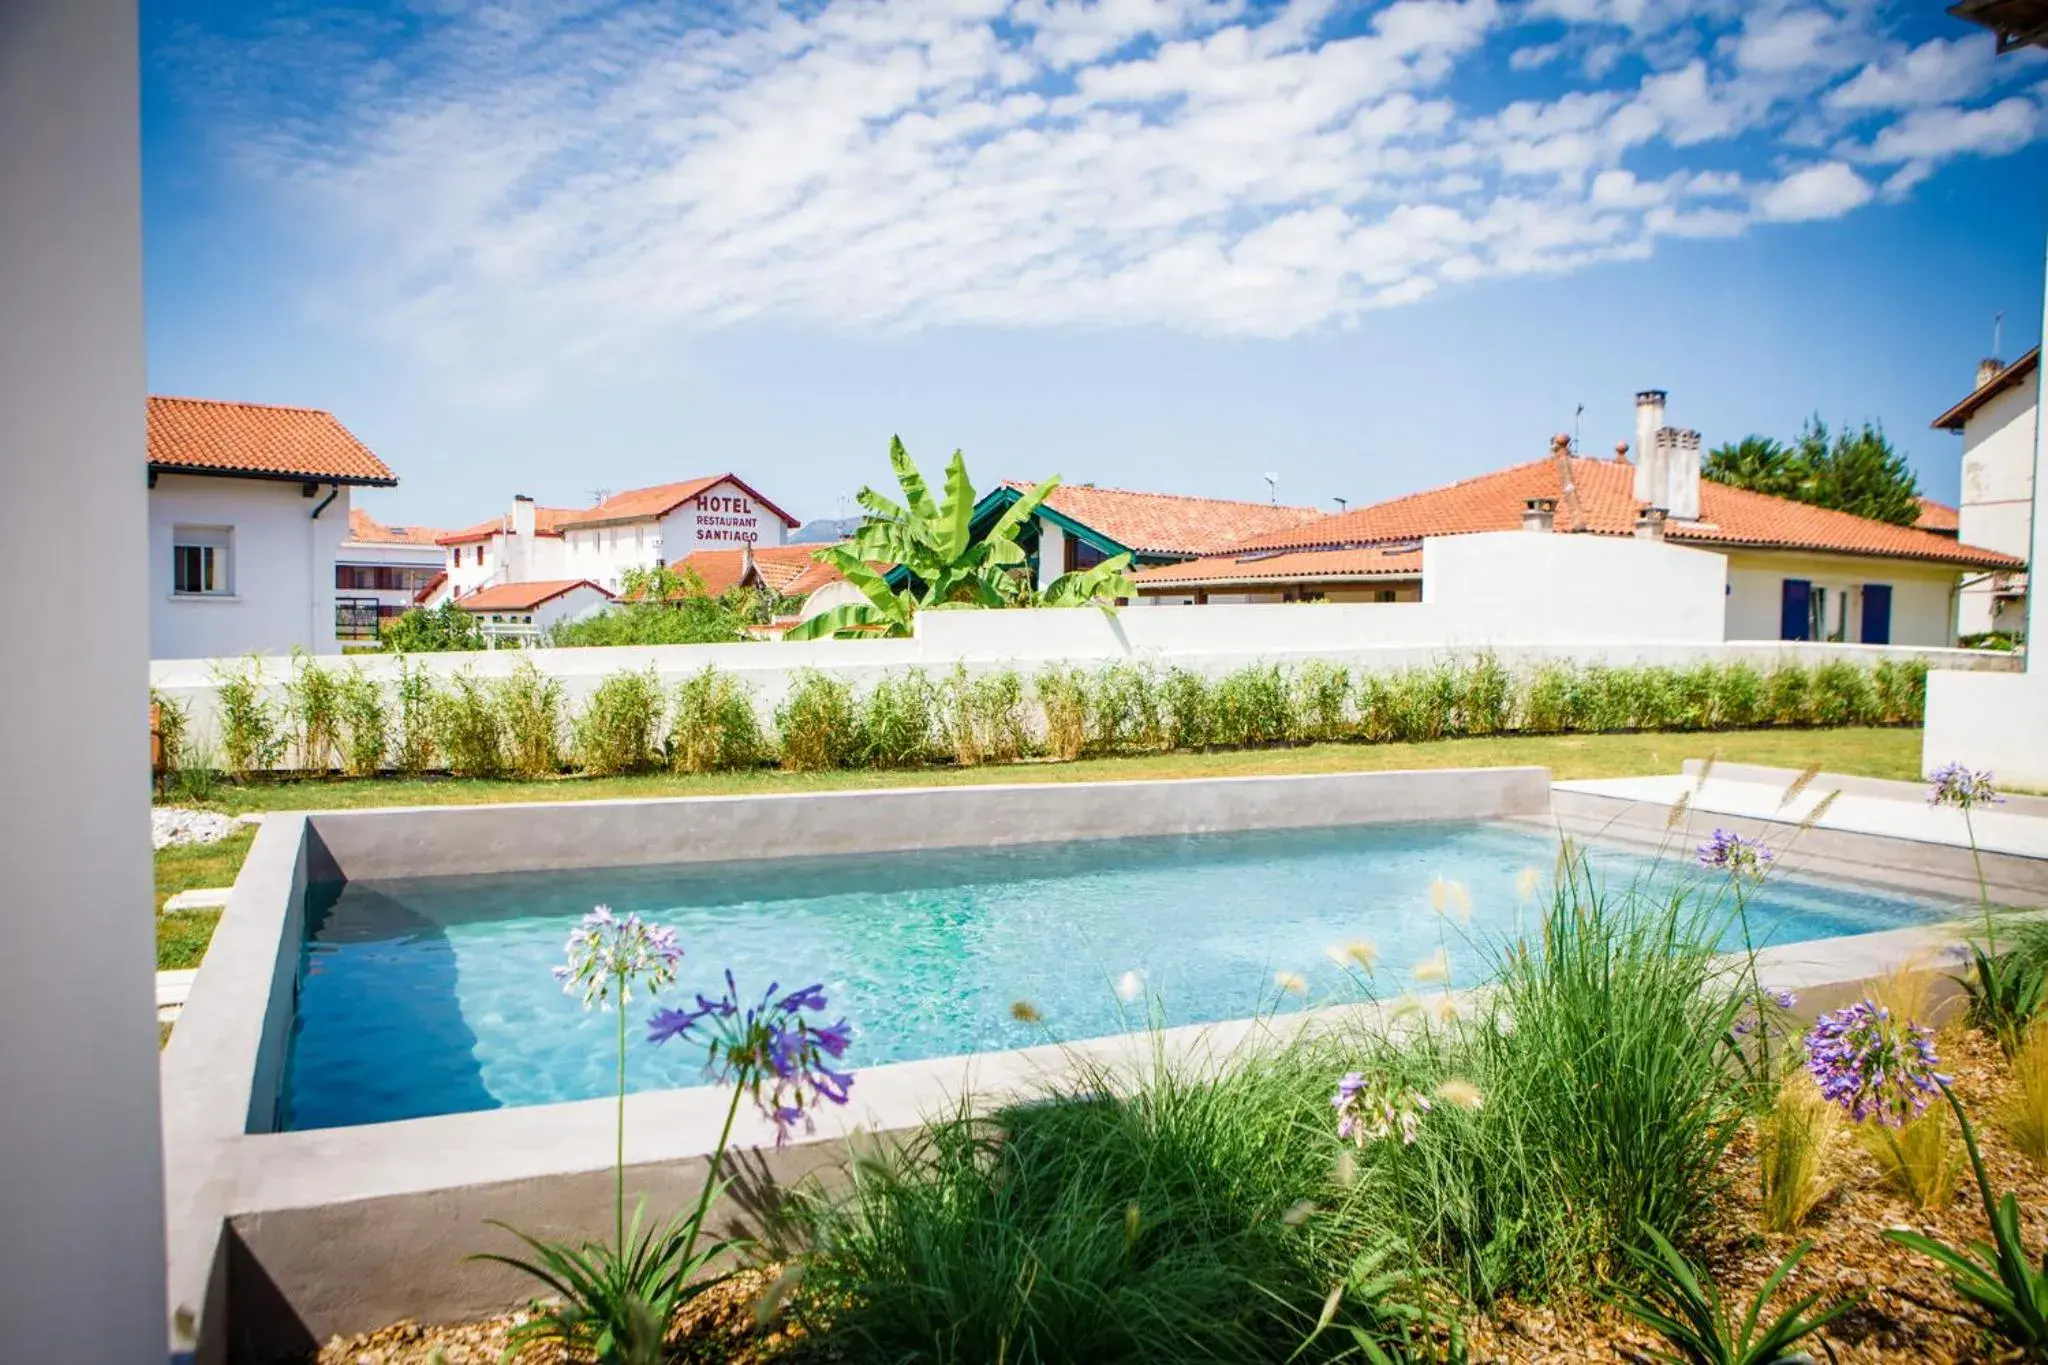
(1891, 810)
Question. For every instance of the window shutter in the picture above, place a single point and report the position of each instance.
(1877, 613)
(1793, 621)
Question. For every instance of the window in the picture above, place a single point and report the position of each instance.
(202, 562)
(1383, 595)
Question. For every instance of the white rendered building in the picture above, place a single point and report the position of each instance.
(1997, 423)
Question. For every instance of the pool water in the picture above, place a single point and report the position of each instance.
(434, 995)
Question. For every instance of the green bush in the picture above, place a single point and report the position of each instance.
(898, 721)
(173, 724)
(1843, 694)
(530, 707)
(715, 728)
(686, 620)
(313, 701)
(1548, 698)
(1063, 701)
(1486, 696)
(1421, 703)
(1739, 698)
(1788, 694)
(1322, 702)
(250, 738)
(619, 728)
(364, 723)
(983, 717)
(817, 723)
(1901, 691)
(1693, 694)
(469, 727)
(419, 699)
(1185, 708)
(446, 627)
(1122, 710)
(1250, 706)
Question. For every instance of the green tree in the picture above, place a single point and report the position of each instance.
(446, 627)
(1856, 471)
(948, 565)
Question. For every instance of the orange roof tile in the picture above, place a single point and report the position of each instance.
(778, 566)
(1168, 523)
(647, 504)
(1728, 517)
(522, 596)
(367, 530)
(547, 521)
(1265, 566)
(1937, 517)
(2015, 373)
(258, 440)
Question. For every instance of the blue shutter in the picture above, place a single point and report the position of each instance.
(1793, 619)
(1877, 613)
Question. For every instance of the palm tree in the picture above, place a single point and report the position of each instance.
(949, 567)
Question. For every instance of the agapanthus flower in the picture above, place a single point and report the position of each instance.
(1783, 999)
(772, 1052)
(1873, 1065)
(1733, 853)
(1371, 1110)
(607, 955)
(1956, 785)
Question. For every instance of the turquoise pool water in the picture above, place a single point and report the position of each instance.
(433, 996)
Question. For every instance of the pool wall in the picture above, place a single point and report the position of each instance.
(279, 1240)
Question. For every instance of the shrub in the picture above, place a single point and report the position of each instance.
(249, 735)
(1063, 698)
(1250, 706)
(1693, 693)
(313, 699)
(1901, 691)
(1322, 701)
(619, 728)
(2024, 1114)
(984, 717)
(364, 722)
(1185, 708)
(898, 720)
(469, 728)
(1787, 694)
(817, 723)
(1420, 703)
(715, 728)
(691, 619)
(173, 721)
(418, 704)
(1486, 697)
(1548, 701)
(1738, 696)
(530, 705)
(197, 780)
(1123, 709)
(1840, 693)
(1797, 1142)
(446, 627)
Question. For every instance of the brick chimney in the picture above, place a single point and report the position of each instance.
(1989, 369)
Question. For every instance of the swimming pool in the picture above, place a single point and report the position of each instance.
(433, 995)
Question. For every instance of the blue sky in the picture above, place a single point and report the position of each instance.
(565, 245)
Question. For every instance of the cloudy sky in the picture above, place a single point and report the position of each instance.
(555, 246)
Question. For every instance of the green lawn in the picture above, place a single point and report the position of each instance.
(1872, 753)
(182, 938)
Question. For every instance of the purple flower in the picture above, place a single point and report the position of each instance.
(1872, 1065)
(1369, 1112)
(770, 1050)
(1734, 854)
(607, 955)
(1747, 1023)
(1956, 785)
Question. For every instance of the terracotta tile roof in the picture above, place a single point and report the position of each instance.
(1937, 517)
(779, 566)
(547, 521)
(1728, 517)
(257, 440)
(647, 504)
(433, 586)
(367, 530)
(1167, 523)
(2015, 373)
(1329, 566)
(522, 596)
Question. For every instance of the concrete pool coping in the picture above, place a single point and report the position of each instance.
(278, 1240)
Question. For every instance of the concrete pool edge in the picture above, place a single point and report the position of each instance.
(309, 1222)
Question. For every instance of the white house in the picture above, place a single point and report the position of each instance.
(381, 571)
(520, 611)
(642, 528)
(1997, 424)
(1794, 571)
(248, 507)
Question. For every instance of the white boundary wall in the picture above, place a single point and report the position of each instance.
(1519, 595)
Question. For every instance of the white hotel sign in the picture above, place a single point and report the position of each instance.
(726, 517)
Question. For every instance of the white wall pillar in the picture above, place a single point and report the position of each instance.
(2037, 562)
(1052, 552)
(81, 1188)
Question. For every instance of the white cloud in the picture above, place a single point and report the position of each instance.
(512, 192)
(1827, 190)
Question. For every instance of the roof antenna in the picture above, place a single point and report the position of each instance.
(1997, 330)
(1577, 413)
(598, 495)
(1272, 487)
(1342, 504)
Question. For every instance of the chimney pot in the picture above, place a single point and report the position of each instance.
(1988, 369)
(1651, 476)
(1650, 523)
(1539, 514)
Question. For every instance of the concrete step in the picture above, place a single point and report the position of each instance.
(202, 898)
(171, 990)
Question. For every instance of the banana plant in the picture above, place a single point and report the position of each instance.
(933, 540)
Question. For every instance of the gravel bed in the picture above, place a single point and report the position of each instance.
(175, 825)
